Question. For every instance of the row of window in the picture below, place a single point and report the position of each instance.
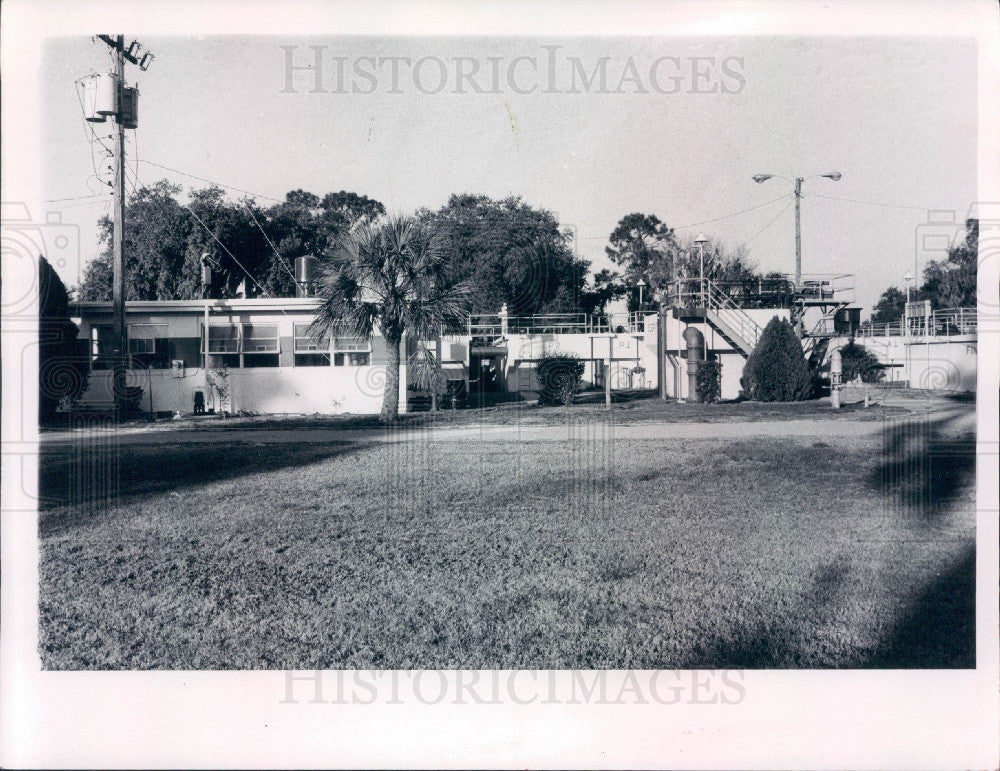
(235, 345)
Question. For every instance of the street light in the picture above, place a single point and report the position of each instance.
(908, 278)
(833, 175)
(641, 285)
(701, 240)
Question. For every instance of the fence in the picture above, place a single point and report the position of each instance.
(498, 325)
(945, 322)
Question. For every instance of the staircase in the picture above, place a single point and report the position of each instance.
(713, 306)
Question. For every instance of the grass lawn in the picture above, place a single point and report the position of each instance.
(591, 554)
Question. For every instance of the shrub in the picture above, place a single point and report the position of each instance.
(777, 370)
(857, 360)
(709, 381)
(63, 369)
(559, 378)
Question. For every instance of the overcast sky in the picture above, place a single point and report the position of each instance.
(678, 129)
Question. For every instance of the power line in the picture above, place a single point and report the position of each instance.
(770, 222)
(870, 203)
(76, 198)
(210, 181)
(733, 214)
(233, 256)
(267, 238)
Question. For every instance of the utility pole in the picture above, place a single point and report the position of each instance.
(118, 259)
(798, 232)
(117, 45)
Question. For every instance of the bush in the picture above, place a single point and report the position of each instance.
(63, 367)
(857, 360)
(709, 381)
(777, 370)
(559, 378)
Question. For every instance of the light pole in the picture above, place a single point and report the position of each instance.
(908, 278)
(835, 176)
(701, 240)
(641, 285)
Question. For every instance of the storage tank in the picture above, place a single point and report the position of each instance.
(89, 97)
(306, 270)
(107, 94)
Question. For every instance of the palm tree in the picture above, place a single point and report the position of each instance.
(389, 274)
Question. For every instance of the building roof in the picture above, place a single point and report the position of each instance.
(257, 304)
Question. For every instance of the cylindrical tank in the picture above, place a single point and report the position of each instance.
(305, 269)
(107, 94)
(695, 342)
(89, 96)
(305, 275)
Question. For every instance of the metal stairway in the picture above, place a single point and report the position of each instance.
(711, 305)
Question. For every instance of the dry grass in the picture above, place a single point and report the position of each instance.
(771, 553)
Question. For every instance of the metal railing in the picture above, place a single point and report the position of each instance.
(497, 325)
(704, 293)
(732, 314)
(946, 322)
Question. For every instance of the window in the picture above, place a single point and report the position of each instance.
(311, 350)
(260, 345)
(102, 347)
(224, 339)
(148, 346)
(223, 345)
(351, 352)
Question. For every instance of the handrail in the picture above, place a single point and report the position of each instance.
(944, 322)
(720, 301)
(499, 325)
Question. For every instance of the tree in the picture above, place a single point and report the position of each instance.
(776, 370)
(389, 273)
(605, 286)
(303, 224)
(858, 361)
(948, 283)
(650, 251)
(509, 253)
(62, 368)
(951, 282)
(889, 307)
(646, 249)
(165, 240)
(155, 243)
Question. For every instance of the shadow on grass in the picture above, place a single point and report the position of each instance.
(924, 468)
(939, 631)
(83, 480)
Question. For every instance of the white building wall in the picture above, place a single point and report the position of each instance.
(932, 363)
(283, 389)
(307, 390)
(732, 360)
(628, 350)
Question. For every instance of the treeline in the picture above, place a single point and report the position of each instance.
(947, 283)
(507, 251)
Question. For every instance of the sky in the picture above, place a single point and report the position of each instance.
(677, 130)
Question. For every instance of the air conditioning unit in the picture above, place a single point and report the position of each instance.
(177, 367)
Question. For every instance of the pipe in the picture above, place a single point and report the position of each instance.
(695, 342)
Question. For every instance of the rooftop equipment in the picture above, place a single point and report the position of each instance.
(306, 271)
